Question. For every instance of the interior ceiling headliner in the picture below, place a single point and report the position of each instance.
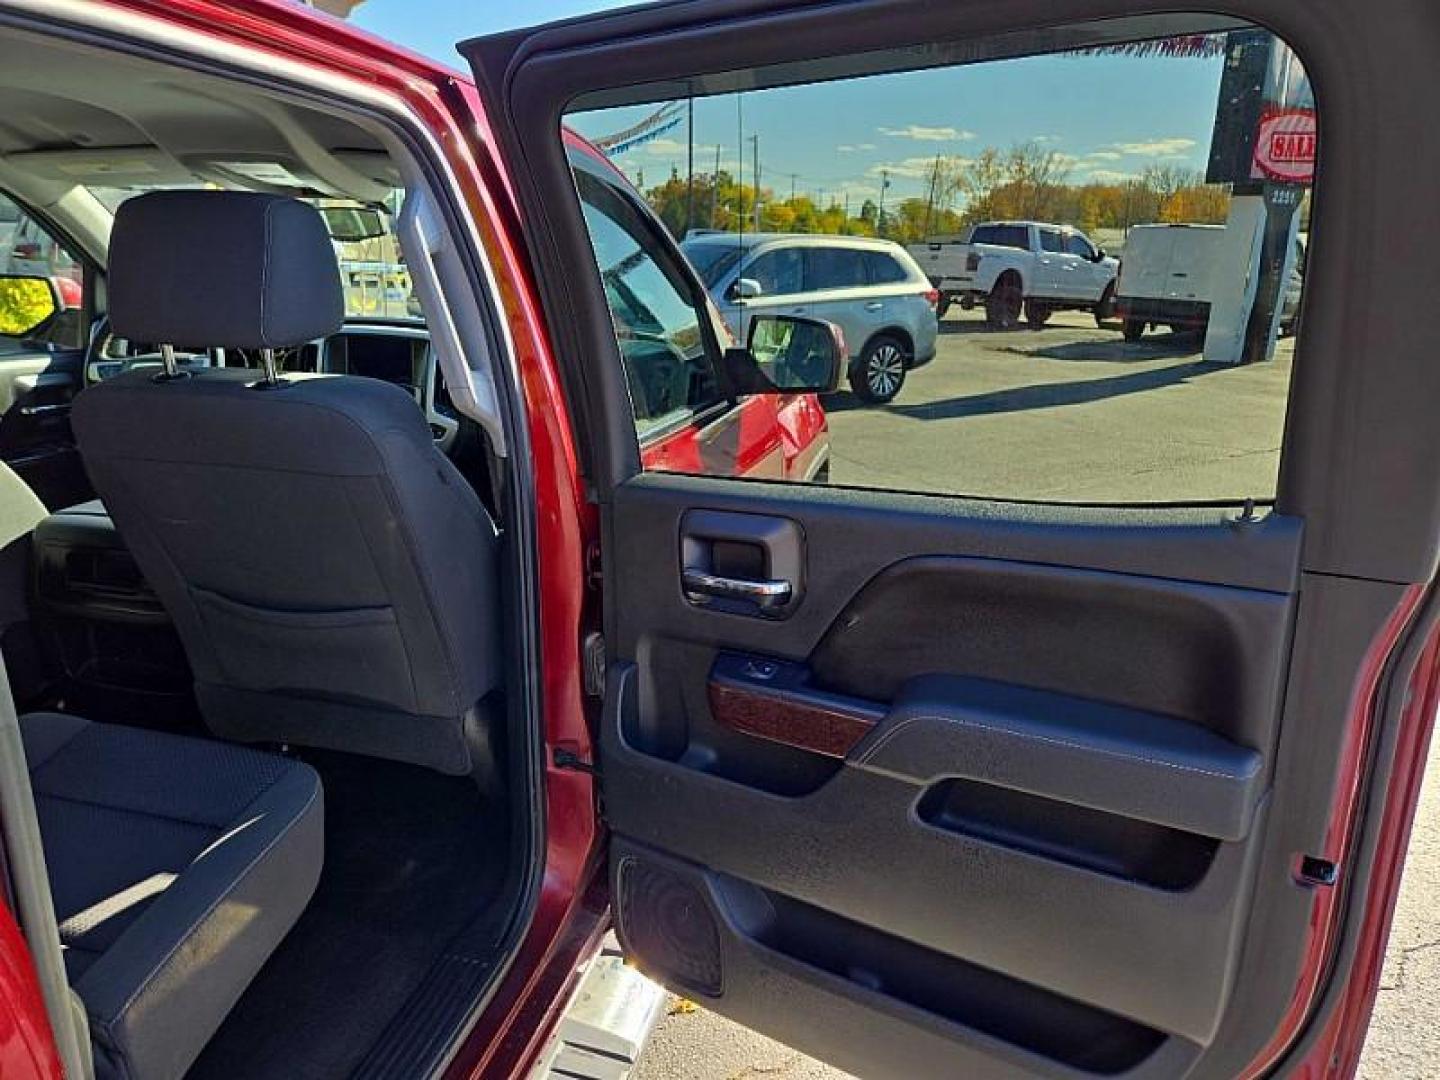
(75, 115)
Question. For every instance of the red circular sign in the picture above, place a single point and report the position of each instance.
(1285, 146)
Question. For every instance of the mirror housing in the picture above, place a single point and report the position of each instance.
(1099, 254)
(787, 354)
(352, 224)
(745, 289)
(28, 304)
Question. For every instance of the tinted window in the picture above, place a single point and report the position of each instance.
(657, 323)
(1051, 240)
(712, 261)
(1076, 244)
(778, 271)
(28, 249)
(883, 269)
(1016, 236)
(833, 268)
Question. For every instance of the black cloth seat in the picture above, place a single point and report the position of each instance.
(333, 577)
(176, 866)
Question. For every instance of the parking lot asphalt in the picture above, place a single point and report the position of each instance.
(1072, 412)
(1069, 412)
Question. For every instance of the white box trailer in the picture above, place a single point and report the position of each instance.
(1167, 277)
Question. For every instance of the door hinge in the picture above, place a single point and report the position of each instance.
(1317, 871)
(571, 761)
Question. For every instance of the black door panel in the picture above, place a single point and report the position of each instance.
(35, 438)
(1056, 775)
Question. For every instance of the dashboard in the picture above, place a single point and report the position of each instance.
(397, 353)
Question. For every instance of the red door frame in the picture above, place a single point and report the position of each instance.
(572, 910)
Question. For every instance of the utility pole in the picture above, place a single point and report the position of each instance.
(740, 163)
(755, 175)
(715, 187)
(690, 166)
(930, 196)
(884, 184)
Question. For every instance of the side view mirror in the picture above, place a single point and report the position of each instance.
(787, 354)
(1099, 254)
(27, 305)
(745, 289)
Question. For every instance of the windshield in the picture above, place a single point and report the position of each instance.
(372, 268)
(711, 260)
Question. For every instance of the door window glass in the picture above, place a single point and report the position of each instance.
(657, 324)
(28, 249)
(1015, 236)
(833, 268)
(1184, 149)
(778, 272)
(882, 269)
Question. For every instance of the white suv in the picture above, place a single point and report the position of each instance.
(872, 289)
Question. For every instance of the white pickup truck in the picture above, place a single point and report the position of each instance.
(1015, 267)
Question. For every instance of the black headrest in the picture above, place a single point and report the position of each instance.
(235, 269)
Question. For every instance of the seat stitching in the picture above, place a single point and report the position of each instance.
(359, 524)
(215, 903)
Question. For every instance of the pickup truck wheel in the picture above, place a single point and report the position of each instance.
(1036, 314)
(1002, 306)
(880, 374)
(1105, 309)
(1132, 329)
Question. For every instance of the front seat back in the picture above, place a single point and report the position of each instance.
(332, 576)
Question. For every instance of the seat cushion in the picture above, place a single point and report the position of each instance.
(176, 866)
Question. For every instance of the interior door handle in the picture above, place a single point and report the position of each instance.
(700, 586)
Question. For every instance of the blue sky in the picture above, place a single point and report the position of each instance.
(1109, 116)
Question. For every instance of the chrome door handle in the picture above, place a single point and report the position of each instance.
(874, 305)
(44, 410)
(701, 587)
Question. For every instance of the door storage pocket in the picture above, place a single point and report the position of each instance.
(347, 653)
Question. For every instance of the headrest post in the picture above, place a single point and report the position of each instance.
(272, 374)
(167, 357)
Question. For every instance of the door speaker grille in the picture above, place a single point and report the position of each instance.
(667, 922)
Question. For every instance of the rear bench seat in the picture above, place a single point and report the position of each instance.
(176, 865)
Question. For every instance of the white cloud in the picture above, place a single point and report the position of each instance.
(1104, 155)
(912, 168)
(922, 133)
(1107, 176)
(854, 148)
(1171, 147)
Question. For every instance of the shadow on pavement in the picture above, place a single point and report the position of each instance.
(1047, 395)
(1158, 347)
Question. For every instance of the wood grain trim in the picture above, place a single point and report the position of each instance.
(791, 719)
